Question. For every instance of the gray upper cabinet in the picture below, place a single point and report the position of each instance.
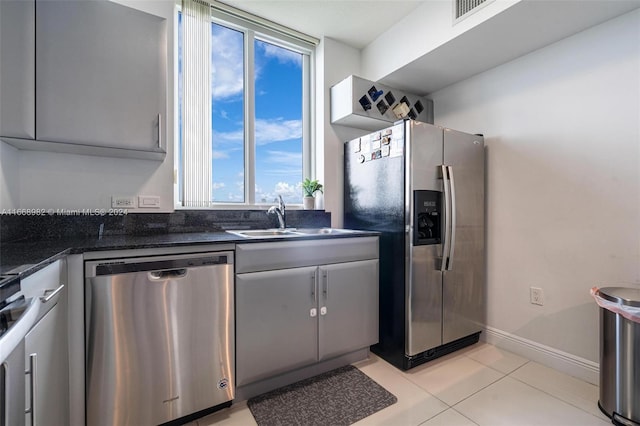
(100, 80)
(17, 69)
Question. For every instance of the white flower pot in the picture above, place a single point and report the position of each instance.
(309, 203)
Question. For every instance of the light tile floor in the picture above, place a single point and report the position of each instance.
(479, 385)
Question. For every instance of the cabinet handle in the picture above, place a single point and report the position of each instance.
(313, 286)
(160, 131)
(325, 279)
(32, 387)
(47, 297)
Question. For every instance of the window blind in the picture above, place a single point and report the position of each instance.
(196, 103)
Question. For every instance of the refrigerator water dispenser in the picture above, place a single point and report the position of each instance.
(427, 214)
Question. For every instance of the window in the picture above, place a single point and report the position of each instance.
(244, 110)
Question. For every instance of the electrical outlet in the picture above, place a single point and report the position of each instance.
(148, 201)
(118, 202)
(536, 296)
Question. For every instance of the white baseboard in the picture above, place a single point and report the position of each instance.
(575, 366)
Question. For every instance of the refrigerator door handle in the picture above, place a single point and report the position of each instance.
(447, 218)
(452, 235)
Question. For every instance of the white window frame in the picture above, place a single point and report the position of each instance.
(257, 28)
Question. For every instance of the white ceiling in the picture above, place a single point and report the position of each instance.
(526, 26)
(355, 23)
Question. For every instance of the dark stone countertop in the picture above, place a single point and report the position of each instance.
(20, 259)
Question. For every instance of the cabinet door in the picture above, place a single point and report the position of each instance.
(276, 330)
(46, 354)
(101, 70)
(348, 307)
(17, 68)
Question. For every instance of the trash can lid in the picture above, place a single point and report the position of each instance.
(622, 295)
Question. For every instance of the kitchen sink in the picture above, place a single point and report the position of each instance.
(321, 231)
(257, 233)
(292, 232)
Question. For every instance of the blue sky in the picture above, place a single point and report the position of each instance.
(278, 119)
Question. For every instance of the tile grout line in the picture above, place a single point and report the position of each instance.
(479, 390)
(484, 387)
(556, 397)
(402, 375)
(525, 383)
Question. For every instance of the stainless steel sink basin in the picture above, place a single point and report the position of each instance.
(321, 231)
(257, 233)
(293, 232)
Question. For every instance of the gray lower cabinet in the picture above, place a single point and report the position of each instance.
(46, 360)
(275, 330)
(349, 296)
(47, 350)
(292, 317)
(86, 77)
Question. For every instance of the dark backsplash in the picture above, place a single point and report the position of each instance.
(15, 228)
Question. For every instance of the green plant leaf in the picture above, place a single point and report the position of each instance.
(310, 187)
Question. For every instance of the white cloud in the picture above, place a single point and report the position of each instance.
(267, 131)
(227, 74)
(283, 163)
(218, 155)
(281, 54)
(233, 136)
(277, 130)
(284, 157)
(218, 185)
(290, 193)
(237, 197)
(283, 188)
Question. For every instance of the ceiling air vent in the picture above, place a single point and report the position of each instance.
(466, 7)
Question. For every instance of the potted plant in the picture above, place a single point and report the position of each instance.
(310, 187)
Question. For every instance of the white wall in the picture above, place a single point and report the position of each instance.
(562, 128)
(65, 181)
(423, 30)
(9, 177)
(334, 62)
(49, 180)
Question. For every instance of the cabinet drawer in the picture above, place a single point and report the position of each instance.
(292, 254)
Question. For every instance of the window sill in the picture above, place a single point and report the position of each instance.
(240, 207)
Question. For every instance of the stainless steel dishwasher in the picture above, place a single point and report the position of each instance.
(159, 338)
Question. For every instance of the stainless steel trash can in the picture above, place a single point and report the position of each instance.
(620, 357)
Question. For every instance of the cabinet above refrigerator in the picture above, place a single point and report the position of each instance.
(363, 104)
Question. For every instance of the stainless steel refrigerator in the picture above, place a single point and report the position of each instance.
(422, 187)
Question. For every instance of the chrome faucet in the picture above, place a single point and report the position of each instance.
(279, 211)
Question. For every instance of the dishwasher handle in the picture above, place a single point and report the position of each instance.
(170, 274)
(153, 264)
